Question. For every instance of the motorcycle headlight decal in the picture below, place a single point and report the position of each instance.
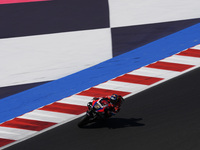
(97, 106)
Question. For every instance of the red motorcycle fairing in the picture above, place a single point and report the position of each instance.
(102, 102)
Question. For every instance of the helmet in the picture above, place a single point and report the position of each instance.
(114, 98)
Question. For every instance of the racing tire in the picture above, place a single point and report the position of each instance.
(84, 121)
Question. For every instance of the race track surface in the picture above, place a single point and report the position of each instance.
(163, 117)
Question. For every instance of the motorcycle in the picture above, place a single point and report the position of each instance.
(97, 111)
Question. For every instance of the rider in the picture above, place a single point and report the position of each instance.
(115, 102)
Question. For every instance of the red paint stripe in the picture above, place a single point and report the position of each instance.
(4, 142)
(19, 1)
(96, 92)
(190, 52)
(65, 108)
(170, 66)
(137, 79)
(27, 124)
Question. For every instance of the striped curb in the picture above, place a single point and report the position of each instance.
(70, 108)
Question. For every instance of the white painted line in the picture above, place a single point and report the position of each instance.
(48, 116)
(182, 60)
(80, 97)
(14, 133)
(197, 47)
(42, 59)
(74, 101)
(131, 12)
(120, 86)
(153, 72)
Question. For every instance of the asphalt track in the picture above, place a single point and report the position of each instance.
(163, 117)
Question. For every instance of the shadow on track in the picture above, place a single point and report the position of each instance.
(114, 123)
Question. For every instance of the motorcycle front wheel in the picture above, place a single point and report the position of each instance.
(84, 121)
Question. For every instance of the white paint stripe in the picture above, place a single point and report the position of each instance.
(197, 47)
(14, 134)
(182, 60)
(48, 116)
(121, 11)
(42, 59)
(74, 101)
(120, 86)
(153, 72)
(80, 97)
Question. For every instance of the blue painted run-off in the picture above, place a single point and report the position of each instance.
(29, 100)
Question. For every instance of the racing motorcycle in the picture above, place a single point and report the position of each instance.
(97, 111)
